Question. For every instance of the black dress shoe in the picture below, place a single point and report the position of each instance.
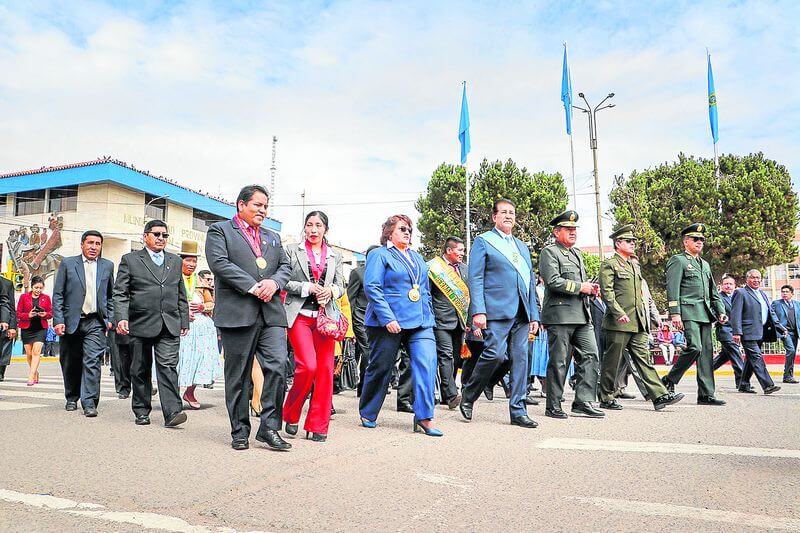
(453, 402)
(556, 413)
(142, 420)
(89, 412)
(747, 390)
(530, 400)
(316, 437)
(668, 399)
(405, 408)
(626, 396)
(272, 439)
(709, 400)
(506, 388)
(668, 384)
(523, 421)
(240, 444)
(175, 420)
(71, 406)
(785, 380)
(291, 429)
(123, 395)
(586, 409)
(771, 389)
(466, 409)
(613, 405)
(489, 393)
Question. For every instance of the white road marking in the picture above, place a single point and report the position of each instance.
(664, 447)
(96, 511)
(51, 386)
(14, 406)
(444, 480)
(31, 393)
(739, 519)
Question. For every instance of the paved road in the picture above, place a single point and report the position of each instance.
(733, 468)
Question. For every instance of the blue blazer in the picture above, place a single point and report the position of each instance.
(725, 331)
(495, 286)
(746, 316)
(69, 291)
(779, 306)
(386, 284)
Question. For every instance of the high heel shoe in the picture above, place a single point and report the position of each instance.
(430, 432)
(30, 383)
(36, 378)
(291, 429)
(193, 403)
(253, 412)
(316, 437)
(368, 423)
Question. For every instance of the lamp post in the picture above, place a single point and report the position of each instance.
(591, 112)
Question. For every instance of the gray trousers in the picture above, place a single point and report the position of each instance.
(448, 349)
(587, 366)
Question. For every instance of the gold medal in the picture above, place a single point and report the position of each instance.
(261, 262)
(414, 294)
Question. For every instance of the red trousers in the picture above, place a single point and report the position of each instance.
(313, 360)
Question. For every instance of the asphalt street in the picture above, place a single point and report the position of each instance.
(687, 468)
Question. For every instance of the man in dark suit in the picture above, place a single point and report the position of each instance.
(754, 322)
(787, 309)
(8, 324)
(83, 308)
(250, 269)
(449, 310)
(151, 307)
(358, 308)
(730, 351)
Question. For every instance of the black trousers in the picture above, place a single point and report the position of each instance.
(362, 351)
(755, 365)
(405, 381)
(6, 345)
(164, 348)
(731, 352)
(268, 345)
(120, 362)
(448, 350)
(80, 358)
(468, 365)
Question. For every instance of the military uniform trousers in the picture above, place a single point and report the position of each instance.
(638, 348)
(587, 366)
(699, 349)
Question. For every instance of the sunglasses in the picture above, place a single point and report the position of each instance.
(629, 241)
(405, 229)
(700, 239)
(159, 234)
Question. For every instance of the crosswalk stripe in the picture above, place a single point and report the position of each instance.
(663, 448)
(13, 406)
(103, 388)
(43, 395)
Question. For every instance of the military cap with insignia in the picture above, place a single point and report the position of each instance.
(567, 219)
(623, 232)
(694, 230)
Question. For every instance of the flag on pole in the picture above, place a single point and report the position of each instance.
(712, 103)
(463, 127)
(566, 91)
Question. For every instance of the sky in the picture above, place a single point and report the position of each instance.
(364, 97)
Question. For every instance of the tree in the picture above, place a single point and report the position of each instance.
(538, 197)
(751, 212)
(592, 264)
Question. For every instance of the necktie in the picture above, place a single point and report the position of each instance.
(90, 273)
(158, 259)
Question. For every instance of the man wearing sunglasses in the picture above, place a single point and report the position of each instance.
(694, 305)
(151, 307)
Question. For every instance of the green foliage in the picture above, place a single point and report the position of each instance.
(752, 214)
(592, 264)
(538, 197)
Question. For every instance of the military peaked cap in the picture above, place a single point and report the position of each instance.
(568, 219)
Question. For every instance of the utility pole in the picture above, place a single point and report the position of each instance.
(591, 112)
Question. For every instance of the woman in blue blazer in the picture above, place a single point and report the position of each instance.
(399, 312)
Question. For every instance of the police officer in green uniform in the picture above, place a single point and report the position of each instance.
(565, 312)
(694, 304)
(626, 324)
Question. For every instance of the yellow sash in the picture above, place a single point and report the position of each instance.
(451, 285)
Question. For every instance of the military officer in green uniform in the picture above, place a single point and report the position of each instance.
(626, 324)
(694, 305)
(565, 312)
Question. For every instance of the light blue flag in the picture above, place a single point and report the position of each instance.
(566, 92)
(463, 127)
(712, 104)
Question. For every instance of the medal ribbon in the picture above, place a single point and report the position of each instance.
(411, 266)
(317, 268)
(251, 239)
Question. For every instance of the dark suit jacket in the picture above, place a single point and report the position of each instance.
(8, 312)
(725, 331)
(69, 291)
(356, 295)
(783, 314)
(147, 299)
(443, 311)
(235, 272)
(746, 316)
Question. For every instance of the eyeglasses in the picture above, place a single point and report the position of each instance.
(405, 229)
(629, 241)
(700, 239)
(159, 234)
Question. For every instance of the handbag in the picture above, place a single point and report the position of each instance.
(332, 326)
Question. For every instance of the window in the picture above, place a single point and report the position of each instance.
(63, 199)
(155, 207)
(3, 202)
(30, 202)
(780, 272)
(201, 220)
(794, 270)
(766, 280)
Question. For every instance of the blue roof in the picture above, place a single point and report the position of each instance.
(109, 170)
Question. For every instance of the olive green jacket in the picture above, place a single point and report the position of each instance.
(691, 292)
(563, 272)
(621, 286)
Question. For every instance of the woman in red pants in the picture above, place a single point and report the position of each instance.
(317, 281)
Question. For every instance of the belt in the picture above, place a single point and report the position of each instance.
(90, 315)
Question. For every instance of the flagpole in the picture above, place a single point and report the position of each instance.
(571, 148)
(469, 230)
